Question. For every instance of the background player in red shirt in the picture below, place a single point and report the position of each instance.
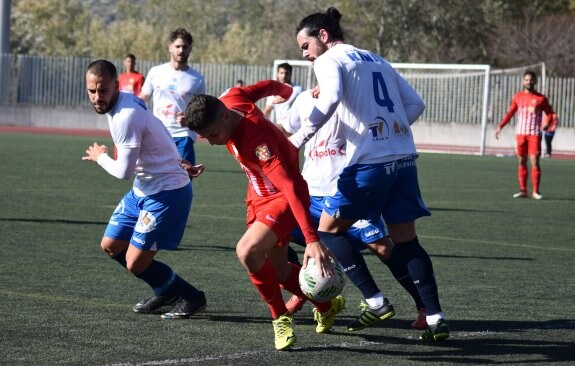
(549, 133)
(130, 80)
(530, 106)
(277, 198)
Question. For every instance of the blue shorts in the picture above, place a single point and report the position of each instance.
(154, 222)
(389, 188)
(185, 147)
(361, 233)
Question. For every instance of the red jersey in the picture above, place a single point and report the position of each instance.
(530, 108)
(269, 160)
(131, 82)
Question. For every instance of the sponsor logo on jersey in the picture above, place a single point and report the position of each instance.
(167, 110)
(400, 129)
(321, 150)
(379, 129)
(263, 153)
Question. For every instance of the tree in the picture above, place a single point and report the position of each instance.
(50, 27)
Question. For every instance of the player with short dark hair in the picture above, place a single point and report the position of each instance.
(277, 198)
(530, 106)
(152, 216)
(130, 80)
(276, 108)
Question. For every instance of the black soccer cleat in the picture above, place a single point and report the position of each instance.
(186, 308)
(152, 304)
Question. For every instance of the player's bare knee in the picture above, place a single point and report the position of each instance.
(248, 254)
(382, 248)
(135, 267)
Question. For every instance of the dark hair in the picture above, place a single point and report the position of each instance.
(183, 34)
(329, 21)
(285, 66)
(532, 73)
(131, 57)
(103, 67)
(202, 110)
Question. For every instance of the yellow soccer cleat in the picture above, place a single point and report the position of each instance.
(284, 335)
(325, 320)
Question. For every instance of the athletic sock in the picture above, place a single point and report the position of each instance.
(522, 176)
(352, 261)
(266, 282)
(121, 258)
(165, 282)
(376, 301)
(398, 267)
(421, 271)
(433, 319)
(535, 178)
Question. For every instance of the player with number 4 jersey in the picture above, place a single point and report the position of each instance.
(376, 107)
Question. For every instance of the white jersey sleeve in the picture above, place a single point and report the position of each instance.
(325, 151)
(145, 148)
(331, 92)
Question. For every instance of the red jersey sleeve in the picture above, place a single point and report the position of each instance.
(512, 109)
(296, 193)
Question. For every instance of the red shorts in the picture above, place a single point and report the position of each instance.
(528, 145)
(275, 213)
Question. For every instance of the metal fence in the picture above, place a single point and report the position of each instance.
(450, 98)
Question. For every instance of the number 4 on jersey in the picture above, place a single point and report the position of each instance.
(380, 92)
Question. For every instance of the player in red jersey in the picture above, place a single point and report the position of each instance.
(549, 133)
(530, 106)
(277, 198)
(130, 80)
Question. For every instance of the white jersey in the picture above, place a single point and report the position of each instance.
(281, 110)
(324, 153)
(374, 102)
(158, 166)
(172, 90)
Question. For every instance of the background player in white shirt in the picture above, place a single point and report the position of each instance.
(172, 86)
(277, 108)
(154, 213)
(325, 158)
(376, 107)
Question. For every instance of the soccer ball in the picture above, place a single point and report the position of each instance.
(319, 288)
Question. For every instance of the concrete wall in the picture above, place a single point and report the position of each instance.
(55, 117)
(455, 134)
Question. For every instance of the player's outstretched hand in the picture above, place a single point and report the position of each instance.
(193, 171)
(94, 151)
(322, 256)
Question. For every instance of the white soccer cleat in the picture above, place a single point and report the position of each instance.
(537, 196)
(521, 194)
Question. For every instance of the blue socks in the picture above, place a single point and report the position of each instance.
(352, 261)
(421, 271)
(164, 281)
(398, 268)
(121, 258)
